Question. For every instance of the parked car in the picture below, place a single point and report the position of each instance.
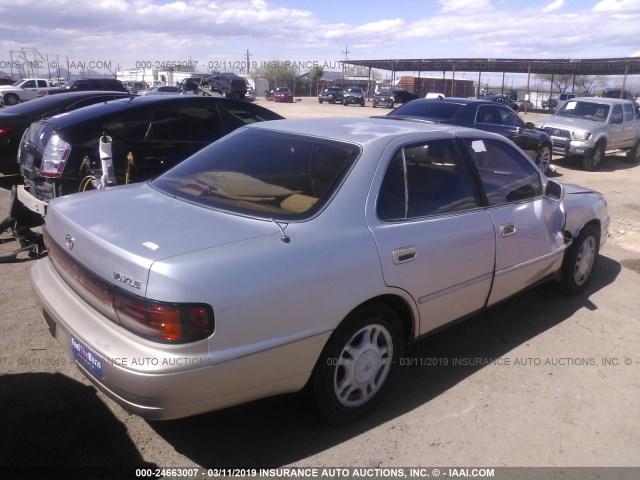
(55, 154)
(15, 120)
(1, 100)
(190, 84)
(218, 273)
(403, 96)
(436, 95)
(250, 95)
(164, 90)
(135, 86)
(618, 93)
(384, 98)
(550, 103)
(563, 97)
(502, 99)
(81, 84)
(228, 85)
(24, 90)
(485, 115)
(331, 95)
(353, 95)
(524, 105)
(282, 94)
(586, 128)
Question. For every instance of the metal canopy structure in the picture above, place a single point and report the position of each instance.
(570, 66)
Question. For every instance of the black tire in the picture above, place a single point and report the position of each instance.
(633, 155)
(362, 103)
(320, 102)
(374, 105)
(580, 260)
(543, 158)
(592, 162)
(11, 99)
(370, 342)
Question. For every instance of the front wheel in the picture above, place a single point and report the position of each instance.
(11, 99)
(357, 364)
(543, 159)
(580, 260)
(592, 162)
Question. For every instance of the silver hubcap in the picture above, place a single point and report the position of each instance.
(584, 261)
(544, 158)
(363, 365)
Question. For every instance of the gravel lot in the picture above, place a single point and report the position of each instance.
(541, 380)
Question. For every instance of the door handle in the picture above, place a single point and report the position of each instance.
(507, 229)
(404, 254)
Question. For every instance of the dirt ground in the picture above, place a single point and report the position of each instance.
(541, 380)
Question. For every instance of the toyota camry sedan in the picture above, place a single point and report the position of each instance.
(302, 254)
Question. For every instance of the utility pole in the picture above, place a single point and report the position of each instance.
(248, 64)
(344, 65)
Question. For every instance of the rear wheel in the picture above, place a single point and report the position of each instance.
(633, 155)
(592, 162)
(357, 364)
(580, 260)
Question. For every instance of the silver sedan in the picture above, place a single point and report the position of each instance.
(302, 253)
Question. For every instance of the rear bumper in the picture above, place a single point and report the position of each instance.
(32, 203)
(158, 381)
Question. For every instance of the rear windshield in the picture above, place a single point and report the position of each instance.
(262, 173)
(429, 108)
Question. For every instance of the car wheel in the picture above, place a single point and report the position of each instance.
(580, 260)
(633, 155)
(320, 102)
(593, 161)
(362, 103)
(374, 105)
(11, 99)
(357, 364)
(543, 159)
(390, 105)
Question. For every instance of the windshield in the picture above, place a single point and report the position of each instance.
(262, 173)
(597, 112)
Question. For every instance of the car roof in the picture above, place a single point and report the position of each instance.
(53, 102)
(601, 100)
(363, 130)
(104, 109)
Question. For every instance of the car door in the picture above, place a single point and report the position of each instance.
(433, 239)
(528, 225)
(30, 90)
(504, 121)
(616, 135)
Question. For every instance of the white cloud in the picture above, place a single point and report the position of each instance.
(617, 6)
(557, 4)
(465, 6)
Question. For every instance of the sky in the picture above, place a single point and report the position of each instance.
(219, 34)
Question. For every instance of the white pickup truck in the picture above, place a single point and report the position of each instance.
(588, 127)
(23, 90)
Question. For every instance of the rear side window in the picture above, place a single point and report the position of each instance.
(425, 179)
(185, 123)
(506, 175)
(628, 112)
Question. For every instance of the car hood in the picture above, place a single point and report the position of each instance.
(570, 123)
(140, 226)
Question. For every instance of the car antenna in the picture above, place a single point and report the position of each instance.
(284, 237)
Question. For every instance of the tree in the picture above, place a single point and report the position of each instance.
(278, 73)
(562, 81)
(314, 75)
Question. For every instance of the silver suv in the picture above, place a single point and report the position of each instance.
(588, 127)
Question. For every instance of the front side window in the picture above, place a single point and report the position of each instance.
(506, 175)
(422, 180)
(262, 173)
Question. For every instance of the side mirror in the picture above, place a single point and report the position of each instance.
(554, 190)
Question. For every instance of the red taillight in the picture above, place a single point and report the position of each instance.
(5, 130)
(166, 322)
(55, 157)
